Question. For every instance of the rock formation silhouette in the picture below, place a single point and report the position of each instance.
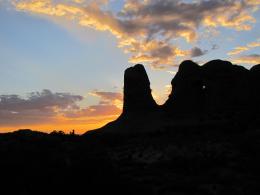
(137, 91)
(203, 140)
(217, 91)
(218, 87)
(187, 94)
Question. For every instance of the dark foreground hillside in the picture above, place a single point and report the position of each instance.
(38, 163)
(204, 140)
(185, 161)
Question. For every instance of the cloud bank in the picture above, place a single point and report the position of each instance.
(58, 109)
(147, 29)
(38, 107)
(110, 103)
(247, 59)
(240, 58)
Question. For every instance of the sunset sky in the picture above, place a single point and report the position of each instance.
(62, 61)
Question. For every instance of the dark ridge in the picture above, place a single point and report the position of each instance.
(216, 91)
(203, 141)
(255, 68)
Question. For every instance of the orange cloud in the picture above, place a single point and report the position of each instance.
(253, 2)
(238, 50)
(247, 59)
(241, 49)
(146, 29)
(254, 44)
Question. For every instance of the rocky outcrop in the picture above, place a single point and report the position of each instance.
(218, 87)
(187, 90)
(217, 92)
(226, 86)
(137, 92)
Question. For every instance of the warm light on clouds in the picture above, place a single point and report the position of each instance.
(57, 110)
(109, 98)
(238, 50)
(247, 59)
(250, 59)
(254, 44)
(241, 49)
(147, 29)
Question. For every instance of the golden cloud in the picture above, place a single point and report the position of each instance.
(146, 29)
(242, 49)
(247, 59)
(238, 50)
(254, 44)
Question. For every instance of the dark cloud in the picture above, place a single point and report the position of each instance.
(39, 101)
(165, 20)
(47, 107)
(196, 52)
(37, 107)
(214, 47)
(177, 18)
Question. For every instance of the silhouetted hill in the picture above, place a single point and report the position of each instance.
(39, 163)
(204, 140)
(217, 92)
